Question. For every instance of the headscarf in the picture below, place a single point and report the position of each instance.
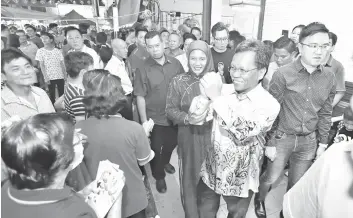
(202, 46)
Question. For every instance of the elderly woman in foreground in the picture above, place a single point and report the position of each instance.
(39, 153)
(112, 137)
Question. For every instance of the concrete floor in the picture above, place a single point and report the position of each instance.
(169, 204)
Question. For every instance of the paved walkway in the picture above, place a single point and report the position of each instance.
(169, 204)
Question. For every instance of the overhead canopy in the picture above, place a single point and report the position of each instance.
(25, 14)
(75, 18)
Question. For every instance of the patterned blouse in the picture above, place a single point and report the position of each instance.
(238, 136)
(182, 90)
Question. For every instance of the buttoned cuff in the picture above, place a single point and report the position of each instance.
(324, 140)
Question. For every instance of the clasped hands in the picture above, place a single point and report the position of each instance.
(210, 88)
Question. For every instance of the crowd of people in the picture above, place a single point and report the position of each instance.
(239, 111)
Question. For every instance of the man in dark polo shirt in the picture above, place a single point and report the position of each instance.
(305, 91)
(139, 53)
(337, 68)
(222, 55)
(150, 88)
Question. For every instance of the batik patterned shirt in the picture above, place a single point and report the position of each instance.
(240, 123)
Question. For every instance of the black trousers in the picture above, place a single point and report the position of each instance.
(60, 83)
(163, 142)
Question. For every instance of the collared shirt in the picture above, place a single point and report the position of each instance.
(175, 53)
(54, 203)
(337, 68)
(12, 105)
(240, 123)
(97, 62)
(117, 68)
(152, 83)
(306, 99)
(325, 190)
(272, 68)
(30, 49)
(137, 59)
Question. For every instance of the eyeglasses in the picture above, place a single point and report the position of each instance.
(221, 39)
(316, 46)
(232, 69)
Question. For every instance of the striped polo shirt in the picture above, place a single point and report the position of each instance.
(73, 97)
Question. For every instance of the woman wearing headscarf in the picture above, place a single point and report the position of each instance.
(194, 135)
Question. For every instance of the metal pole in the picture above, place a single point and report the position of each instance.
(206, 20)
(116, 18)
(261, 19)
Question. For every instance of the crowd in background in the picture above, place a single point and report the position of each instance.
(239, 111)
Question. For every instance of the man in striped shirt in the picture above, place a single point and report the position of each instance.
(77, 64)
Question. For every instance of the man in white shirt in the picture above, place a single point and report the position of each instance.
(117, 67)
(75, 40)
(325, 190)
(232, 165)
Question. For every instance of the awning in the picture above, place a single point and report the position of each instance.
(73, 17)
(8, 13)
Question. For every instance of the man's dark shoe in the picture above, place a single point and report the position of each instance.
(281, 214)
(260, 209)
(161, 186)
(169, 168)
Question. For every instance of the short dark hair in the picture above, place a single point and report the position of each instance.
(36, 149)
(163, 30)
(32, 27)
(49, 35)
(236, 37)
(20, 31)
(52, 25)
(71, 28)
(189, 36)
(140, 29)
(10, 54)
(220, 26)
(13, 27)
(333, 37)
(104, 95)
(285, 43)
(312, 29)
(195, 28)
(105, 53)
(348, 114)
(102, 37)
(77, 61)
(301, 26)
(262, 55)
(4, 27)
(83, 27)
(152, 34)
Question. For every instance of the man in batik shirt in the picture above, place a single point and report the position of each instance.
(232, 165)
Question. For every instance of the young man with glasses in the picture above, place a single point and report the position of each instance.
(233, 161)
(222, 55)
(305, 91)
